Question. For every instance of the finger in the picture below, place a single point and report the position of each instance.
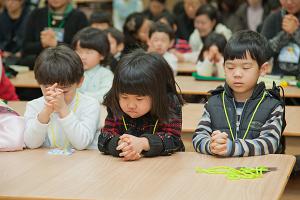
(121, 146)
(124, 153)
(221, 147)
(131, 156)
(127, 148)
(52, 87)
(124, 136)
(222, 153)
(220, 141)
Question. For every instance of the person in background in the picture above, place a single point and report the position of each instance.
(282, 28)
(211, 60)
(101, 20)
(12, 27)
(136, 32)
(144, 109)
(63, 118)
(47, 27)
(161, 39)
(93, 48)
(156, 8)
(229, 18)
(116, 41)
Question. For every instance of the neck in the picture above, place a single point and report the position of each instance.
(242, 97)
(60, 10)
(15, 14)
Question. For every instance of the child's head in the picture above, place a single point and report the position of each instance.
(136, 28)
(246, 57)
(206, 19)
(58, 4)
(59, 65)
(169, 19)
(92, 46)
(161, 38)
(214, 44)
(101, 20)
(141, 84)
(156, 7)
(116, 40)
(291, 6)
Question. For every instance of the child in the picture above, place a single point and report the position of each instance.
(211, 56)
(63, 118)
(136, 32)
(116, 41)
(101, 20)
(161, 39)
(11, 129)
(93, 48)
(243, 118)
(144, 109)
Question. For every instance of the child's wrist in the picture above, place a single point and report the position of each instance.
(63, 112)
(145, 144)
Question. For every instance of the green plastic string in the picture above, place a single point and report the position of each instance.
(235, 173)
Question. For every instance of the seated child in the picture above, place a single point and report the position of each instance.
(161, 39)
(242, 118)
(210, 61)
(144, 109)
(93, 48)
(100, 20)
(11, 129)
(116, 41)
(63, 118)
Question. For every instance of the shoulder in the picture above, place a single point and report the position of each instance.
(36, 103)
(77, 14)
(169, 56)
(87, 101)
(274, 17)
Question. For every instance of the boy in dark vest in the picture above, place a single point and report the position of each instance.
(242, 118)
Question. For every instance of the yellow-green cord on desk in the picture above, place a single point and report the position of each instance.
(235, 173)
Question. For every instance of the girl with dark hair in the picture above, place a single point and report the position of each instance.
(144, 109)
(136, 29)
(93, 47)
(210, 61)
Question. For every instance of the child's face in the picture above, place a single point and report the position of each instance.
(143, 32)
(89, 57)
(134, 105)
(114, 46)
(204, 25)
(101, 26)
(69, 91)
(156, 7)
(242, 75)
(159, 42)
(58, 4)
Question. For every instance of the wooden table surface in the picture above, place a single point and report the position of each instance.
(185, 67)
(92, 175)
(25, 80)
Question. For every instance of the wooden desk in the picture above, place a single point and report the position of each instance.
(191, 115)
(189, 85)
(25, 80)
(92, 175)
(187, 68)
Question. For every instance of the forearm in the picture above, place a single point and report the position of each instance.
(35, 133)
(279, 41)
(296, 36)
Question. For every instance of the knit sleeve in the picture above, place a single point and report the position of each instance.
(202, 135)
(267, 142)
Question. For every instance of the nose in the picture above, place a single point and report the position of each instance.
(237, 73)
(131, 105)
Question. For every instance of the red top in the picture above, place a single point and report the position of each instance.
(7, 90)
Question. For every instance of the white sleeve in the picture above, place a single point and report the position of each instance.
(35, 132)
(80, 128)
(204, 68)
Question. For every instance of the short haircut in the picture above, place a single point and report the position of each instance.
(59, 65)
(213, 39)
(92, 38)
(101, 17)
(169, 17)
(245, 41)
(145, 74)
(163, 28)
(115, 33)
(210, 11)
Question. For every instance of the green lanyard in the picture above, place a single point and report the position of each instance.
(66, 142)
(227, 118)
(125, 125)
(69, 8)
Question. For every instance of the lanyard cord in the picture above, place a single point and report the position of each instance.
(125, 125)
(69, 8)
(66, 143)
(227, 118)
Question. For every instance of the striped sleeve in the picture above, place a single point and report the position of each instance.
(267, 142)
(201, 137)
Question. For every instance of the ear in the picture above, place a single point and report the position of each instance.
(264, 68)
(120, 47)
(171, 43)
(80, 82)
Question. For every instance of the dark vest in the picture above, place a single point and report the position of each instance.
(218, 117)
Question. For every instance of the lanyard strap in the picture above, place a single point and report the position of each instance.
(125, 125)
(69, 8)
(66, 142)
(253, 114)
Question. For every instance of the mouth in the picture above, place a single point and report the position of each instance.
(238, 84)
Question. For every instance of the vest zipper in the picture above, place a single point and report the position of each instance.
(242, 115)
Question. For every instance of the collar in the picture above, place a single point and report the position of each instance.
(257, 92)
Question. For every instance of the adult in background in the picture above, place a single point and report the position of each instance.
(156, 8)
(49, 26)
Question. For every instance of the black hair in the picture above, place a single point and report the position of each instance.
(101, 17)
(143, 73)
(160, 1)
(213, 39)
(245, 41)
(170, 18)
(210, 11)
(232, 5)
(116, 34)
(92, 38)
(59, 65)
(163, 28)
(131, 27)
